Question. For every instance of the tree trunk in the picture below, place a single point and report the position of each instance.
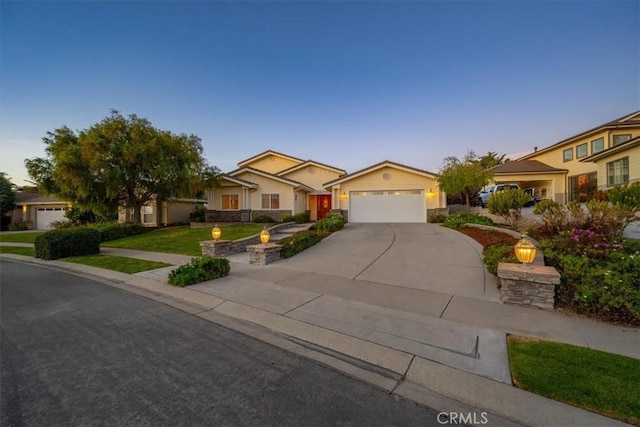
(466, 195)
(137, 216)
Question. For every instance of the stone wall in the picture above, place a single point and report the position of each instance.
(343, 213)
(276, 215)
(532, 287)
(437, 211)
(242, 215)
(225, 248)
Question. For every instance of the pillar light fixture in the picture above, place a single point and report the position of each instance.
(525, 252)
(216, 233)
(265, 236)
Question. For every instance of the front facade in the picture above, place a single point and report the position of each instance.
(597, 159)
(157, 213)
(38, 211)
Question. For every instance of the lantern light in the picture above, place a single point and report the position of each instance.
(525, 252)
(264, 236)
(216, 233)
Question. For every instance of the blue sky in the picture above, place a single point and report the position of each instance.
(349, 83)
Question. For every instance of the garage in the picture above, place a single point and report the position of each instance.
(45, 216)
(387, 206)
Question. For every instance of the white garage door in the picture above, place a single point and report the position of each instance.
(387, 206)
(45, 216)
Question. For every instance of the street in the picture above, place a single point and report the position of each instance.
(79, 352)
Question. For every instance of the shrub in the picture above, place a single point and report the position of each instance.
(459, 219)
(264, 219)
(59, 225)
(494, 255)
(67, 242)
(437, 218)
(626, 195)
(302, 217)
(329, 224)
(298, 242)
(198, 214)
(287, 218)
(199, 270)
(112, 231)
(19, 226)
(508, 204)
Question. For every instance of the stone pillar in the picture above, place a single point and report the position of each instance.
(533, 287)
(216, 248)
(262, 254)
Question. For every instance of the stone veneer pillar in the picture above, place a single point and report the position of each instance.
(534, 286)
(263, 254)
(216, 248)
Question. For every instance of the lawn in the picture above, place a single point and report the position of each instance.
(181, 240)
(17, 250)
(116, 263)
(20, 237)
(605, 383)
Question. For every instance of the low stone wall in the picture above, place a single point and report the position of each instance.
(276, 215)
(531, 287)
(242, 215)
(343, 213)
(210, 225)
(264, 254)
(225, 248)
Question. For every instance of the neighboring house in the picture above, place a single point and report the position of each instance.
(155, 214)
(599, 158)
(37, 210)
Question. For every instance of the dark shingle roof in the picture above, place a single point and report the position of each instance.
(525, 166)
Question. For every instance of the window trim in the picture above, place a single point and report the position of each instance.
(601, 140)
(270, 199)
(613, 138)
(586, 150)
(621, 160)
(237, 197)
(564, 157)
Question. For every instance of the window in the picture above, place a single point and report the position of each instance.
(271, 201)
(619, 139)
(597, 145)
(583, 187)
(229, 201)
(567, 154)
(147, 214)
(581, 150)
(618, 172)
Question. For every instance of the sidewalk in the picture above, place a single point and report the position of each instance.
(453, 359)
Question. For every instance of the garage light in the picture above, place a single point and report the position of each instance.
(216, 233)
(525, 252)
(264, 236)
(343, 196)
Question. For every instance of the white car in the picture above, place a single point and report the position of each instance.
(483, 196)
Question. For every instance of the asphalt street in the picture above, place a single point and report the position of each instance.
(79, 352)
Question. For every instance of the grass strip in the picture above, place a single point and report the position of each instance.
(116, 263)
(20, 237)
(17, 250)
(181, 240)
(608, 384)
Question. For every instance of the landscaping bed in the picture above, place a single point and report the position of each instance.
(489, 238)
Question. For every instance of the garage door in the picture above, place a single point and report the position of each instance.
(45, 216)
(387, 206)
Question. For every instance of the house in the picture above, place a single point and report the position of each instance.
(596, 159)
(156, 213)
(276, 184)
(37, 211)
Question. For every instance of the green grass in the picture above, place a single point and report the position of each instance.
(605, 383)
(20, 237)
(181, 240)
(17, 250)
(117, 263)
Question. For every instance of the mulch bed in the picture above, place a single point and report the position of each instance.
(489, 238)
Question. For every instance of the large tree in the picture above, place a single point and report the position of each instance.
(465, 177)
(123, 160)
(7, 194)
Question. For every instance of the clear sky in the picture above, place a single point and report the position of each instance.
(349, 83)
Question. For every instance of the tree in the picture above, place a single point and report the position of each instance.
(7, 194)
(492, 159)
(120, 161)
(465, 177)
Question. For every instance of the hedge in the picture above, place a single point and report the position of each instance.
(67, 242)
(199, 270)
(298, 242)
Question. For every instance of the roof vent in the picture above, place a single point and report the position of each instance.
(535, 149)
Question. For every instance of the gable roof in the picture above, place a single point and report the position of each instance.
(311, 163)
(633, 142)
(23, 198)
(628, 121)
(265, 154)
(525, 167)
(295, 184)
(380, 166)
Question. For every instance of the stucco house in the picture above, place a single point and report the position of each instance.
(156, 213)
(275, 184)
(605, 156)
(38, 210)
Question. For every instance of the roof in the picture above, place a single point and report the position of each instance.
(525, 166)
(291, 182)
(23, 198)
(633, 142)
(239, 181)
(268, 153)
(311, 163)
(379, 166)
(628, 121)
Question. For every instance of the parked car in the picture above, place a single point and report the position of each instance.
(484, 195)
(535, 194)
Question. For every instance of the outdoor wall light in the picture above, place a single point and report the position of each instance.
(525, 252)
(265, 236)
(343, 196)
(216, 233)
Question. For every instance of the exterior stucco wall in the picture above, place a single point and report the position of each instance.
(634, 166)
(313, 176)
(300, 201)
(176, 211)
(268, 185)
(272, 164)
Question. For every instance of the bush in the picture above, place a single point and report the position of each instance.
(329, 224)
(111, 231)
(299, 218)
(508, 204)
(199, 270)
(198, 214)
(67, 242)
(19, 226)
(626, 195)
(598, 276)
(460, 219)
(264, 219)
(59, 225)
(437, 219)
(494, 255)
(298, 242)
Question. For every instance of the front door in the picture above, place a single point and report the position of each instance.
(324, 205)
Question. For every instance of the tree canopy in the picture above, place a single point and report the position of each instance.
(465, 177)
(122, 160)
(7, 194)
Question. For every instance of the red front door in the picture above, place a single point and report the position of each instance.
(324, 205)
